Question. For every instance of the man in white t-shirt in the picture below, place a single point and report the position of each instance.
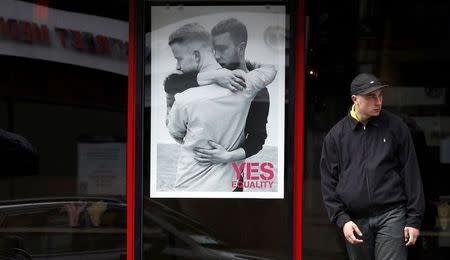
(208, 112)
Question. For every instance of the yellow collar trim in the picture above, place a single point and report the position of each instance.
(354, 114)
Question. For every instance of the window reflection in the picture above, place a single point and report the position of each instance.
(63, 129)
(405, 42)
(51, 227)
(18, 156)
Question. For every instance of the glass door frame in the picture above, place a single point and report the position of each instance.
(136, 118)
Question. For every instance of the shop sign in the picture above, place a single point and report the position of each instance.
(62, 36)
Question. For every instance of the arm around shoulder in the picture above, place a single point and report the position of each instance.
(259, 78)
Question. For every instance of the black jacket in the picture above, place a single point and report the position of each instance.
(369, 169)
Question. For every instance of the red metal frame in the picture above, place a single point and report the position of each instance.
(298, 131)
(131, 126)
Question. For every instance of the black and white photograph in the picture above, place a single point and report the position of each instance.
(217, 99)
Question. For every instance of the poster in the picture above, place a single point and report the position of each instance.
(101, 168)
(211, 135)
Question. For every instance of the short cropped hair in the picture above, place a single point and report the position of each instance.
(237, 30)
(190, 32)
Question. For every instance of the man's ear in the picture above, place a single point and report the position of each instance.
(354, 97)
(241, 49)
(197, 56)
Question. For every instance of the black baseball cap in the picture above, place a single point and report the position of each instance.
(365, 83)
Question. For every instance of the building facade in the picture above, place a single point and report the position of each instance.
(90, 169)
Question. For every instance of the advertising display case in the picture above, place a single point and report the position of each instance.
(202, 157)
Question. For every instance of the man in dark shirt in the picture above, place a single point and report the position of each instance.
(230, 41)
(371, 183)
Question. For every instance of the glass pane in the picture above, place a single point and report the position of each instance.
(405, 43)
(63, 103)
(194, 221)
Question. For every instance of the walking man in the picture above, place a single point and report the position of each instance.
(371, 183)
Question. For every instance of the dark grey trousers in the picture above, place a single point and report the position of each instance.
(383, 237)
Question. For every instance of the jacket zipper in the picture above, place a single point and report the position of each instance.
(364, 166)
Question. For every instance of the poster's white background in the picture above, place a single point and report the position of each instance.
(266, 28)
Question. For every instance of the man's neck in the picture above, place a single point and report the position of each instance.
(358, 116)
(243, 66)
(362, 118)
(209, 65)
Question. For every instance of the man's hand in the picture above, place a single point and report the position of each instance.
(239, 73)
(232, 80)
(213, 155)
(349, 230)
(411, 235)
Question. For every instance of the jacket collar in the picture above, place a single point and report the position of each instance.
(374, 121)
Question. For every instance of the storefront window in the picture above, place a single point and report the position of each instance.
(63, 100)
(206, 213)
(405, 43)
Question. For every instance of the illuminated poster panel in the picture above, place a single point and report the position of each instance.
(217, 101)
